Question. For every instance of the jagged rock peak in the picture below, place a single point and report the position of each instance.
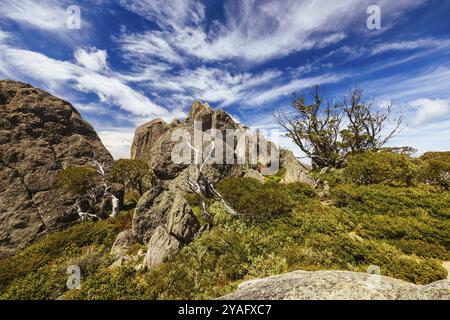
(197, 108)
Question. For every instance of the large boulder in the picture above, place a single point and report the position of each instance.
(164, 207)
(153, 141)
(295, 170)
(165, 221)
(123, 243)
(39, 136)
(254, 174)
(337, 285)
(161, 245)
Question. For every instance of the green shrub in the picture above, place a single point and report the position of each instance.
(415, 220)
(124, 220)
(110, 284)
(45, 283)
(403, 230)
(276, 178)
(135, 174)
(261, 202)
(436, 169)
(334, 177)
(372, 167)
(78, 179)
(68, 243)
(383, 199)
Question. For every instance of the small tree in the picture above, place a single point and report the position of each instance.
(90, 186)
(79, 180)
(315, 129)
(327, 132)
(436, 169)
(365, 129)
(134, 173)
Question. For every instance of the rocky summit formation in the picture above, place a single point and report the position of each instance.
(153, 141)
(337, 285)
(39, 136)
(163, 218)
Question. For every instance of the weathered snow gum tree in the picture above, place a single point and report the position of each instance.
(328, 131)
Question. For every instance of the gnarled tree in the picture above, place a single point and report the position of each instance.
(90, 186)
(328, 131)
(201, 186)
(132, 173)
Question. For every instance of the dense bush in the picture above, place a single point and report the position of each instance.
(403, 230)
(66, 244)
(135, 174)
(78, 179)
(260, 202)
(314, 237)
(415, 220)
(372, 167)
(436, 169)
(110, 284)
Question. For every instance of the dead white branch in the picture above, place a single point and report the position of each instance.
(92, 197)
(200, 184)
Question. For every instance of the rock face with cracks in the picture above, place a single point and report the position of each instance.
(39, 136)
(163, 218)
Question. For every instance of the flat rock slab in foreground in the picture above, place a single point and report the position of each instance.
(337, 285)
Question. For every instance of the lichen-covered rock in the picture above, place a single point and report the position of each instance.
(167, 208)
(123, 243)
(254, 174)
(295, 170)
(153, 141)
(39, 136)
(337, 285)
(161, 245)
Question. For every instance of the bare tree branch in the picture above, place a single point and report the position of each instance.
(201, 186)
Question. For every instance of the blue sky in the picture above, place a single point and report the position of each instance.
(133, 61)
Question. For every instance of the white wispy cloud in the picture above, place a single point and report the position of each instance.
(252, 32)
(247, 28)
(189, 56)
(92, 58)
(56, 74)
(3, 35)
(430, 110)
(428, 82)
(118, 141)
(410, 45)
(292, 86)
(48, 19)
(46, 15)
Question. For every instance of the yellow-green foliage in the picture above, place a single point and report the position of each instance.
(370, 167)
(38, 272)
(110, 284)
(403, 230)
(276, 178)
(77, 179)
(312, 237)
(436, 169)
(260, 202)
